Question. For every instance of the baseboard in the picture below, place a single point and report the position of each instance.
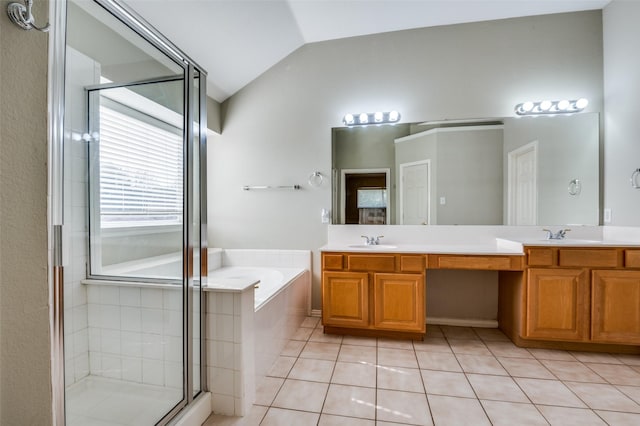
(462, 322)
(316, 313)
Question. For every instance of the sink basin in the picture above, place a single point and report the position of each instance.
(372, 247)
(572, 241)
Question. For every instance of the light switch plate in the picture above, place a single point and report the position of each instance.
(607, 216)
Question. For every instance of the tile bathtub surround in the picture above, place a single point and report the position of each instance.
(457, 375)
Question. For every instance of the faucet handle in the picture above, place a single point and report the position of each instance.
(377, 239)
(368, 240)
(549, 233)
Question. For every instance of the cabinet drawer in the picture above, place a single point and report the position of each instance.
(632, 258)
(332, 261)
(488, 263)
(603, 258)
(412, 264)
(369, 262)
(540, 257)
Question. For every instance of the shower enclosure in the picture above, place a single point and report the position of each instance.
(129, 212)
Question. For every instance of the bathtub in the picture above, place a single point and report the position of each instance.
(272, 281)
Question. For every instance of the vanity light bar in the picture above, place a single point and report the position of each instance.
(366, 118)
(551, 107)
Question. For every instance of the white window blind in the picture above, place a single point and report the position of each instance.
(141, 173)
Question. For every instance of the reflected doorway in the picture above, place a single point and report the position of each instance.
(366, 196)
(415, 193)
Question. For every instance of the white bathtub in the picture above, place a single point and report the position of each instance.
(272, 280)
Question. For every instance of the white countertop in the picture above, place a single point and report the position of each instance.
(499, 246)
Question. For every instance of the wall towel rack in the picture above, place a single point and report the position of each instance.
(252, 187)
(634, 179)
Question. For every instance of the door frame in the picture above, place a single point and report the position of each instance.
(401, 189)
(512, 177)
(343, 192)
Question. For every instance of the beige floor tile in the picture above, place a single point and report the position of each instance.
(303, 333)
(282, 366)
(266, 390)
(565, 416)
(512, 413)
(616, 374)
(628, 359)
(481, 365)
(350, 373)
(603, 397)
(619, 419)
(496, 388)
(491, 335)
(437, 361)
(331, 420)
(398, 378)
(397, 358)
(254, 417)
(319, 336)
(447, 410)
(360, 341)
(469, 347)
(632, 392)
(551, 354)
(280, 417)
(549, 392)
(314, 370)
(520, 367)
(350, 401)
(451, 332)
(447, 383)
(508, 349)
(311, 322)
(432, 344)
(403, 407)
(317, 350)
(603, 358)
(292, 348)
(572, 370)
(300, 395)
(395, 344)
(361, 354)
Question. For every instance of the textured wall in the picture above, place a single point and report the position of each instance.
(25, 369)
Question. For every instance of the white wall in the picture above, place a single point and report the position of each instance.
(277, 130)
(621, 33)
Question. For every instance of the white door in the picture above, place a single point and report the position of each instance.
(523, 185)
(415, 193)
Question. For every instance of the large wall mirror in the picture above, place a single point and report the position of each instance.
(505, 171)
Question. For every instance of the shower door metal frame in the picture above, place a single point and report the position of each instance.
(56, 88)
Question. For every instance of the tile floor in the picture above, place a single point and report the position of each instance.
(456, 376)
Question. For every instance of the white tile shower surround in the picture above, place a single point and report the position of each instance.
(97, 401)
(456, 376)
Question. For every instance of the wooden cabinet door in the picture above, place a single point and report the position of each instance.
(615, 315)
(345, 299)
(558, 304)
(399, 302)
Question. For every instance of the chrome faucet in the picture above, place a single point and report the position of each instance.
(558, 235)
(372, 241)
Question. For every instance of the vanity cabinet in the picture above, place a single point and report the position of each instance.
(582, 294)
(373, 294)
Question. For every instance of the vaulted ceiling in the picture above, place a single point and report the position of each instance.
(237, 40)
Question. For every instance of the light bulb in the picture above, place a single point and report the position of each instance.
(348, 119)
(545, 105)
(563, 105)
(394, 116)
(582, 103)
(363, 118)
(377, 117)
(527, 106)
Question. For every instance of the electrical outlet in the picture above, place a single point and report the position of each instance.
(607, 216)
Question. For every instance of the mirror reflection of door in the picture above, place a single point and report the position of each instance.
(370, 187)
(522, 190)
(415, 193)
